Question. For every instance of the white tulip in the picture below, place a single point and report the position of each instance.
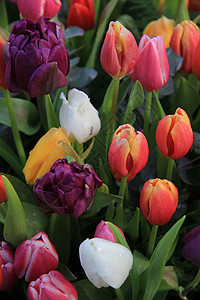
(78, 117)
(105, 263)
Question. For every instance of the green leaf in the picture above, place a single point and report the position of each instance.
(140, 262)
(102, 200)
(169, 280)
(87, 291)
(3, 15)
(159, 259)
(176, 10)
(132, 228)
(85, 154)
(69, 151)
(15, 227)
(52, 119)
(118, 235)
(27, 115)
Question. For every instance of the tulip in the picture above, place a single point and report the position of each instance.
(51, 286)
(152, 66)
(162, 26)
(183, 41)
(2, 64)
(37, 60)
(47, 150)
(158, 201)
(191, 249)
(174, 135)
(103, 231)
(33, 10)
(104, 262)
(128, 152)
(68, 188)
(196, 61)
(119, 51)
(9, 278)
(35, 256)
(3, 195)
(82, 14)
(78, 117)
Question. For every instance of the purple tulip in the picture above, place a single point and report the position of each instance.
(191, 249)
(37, 60)
(68, 188)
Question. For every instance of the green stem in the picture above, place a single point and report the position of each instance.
(15, 131)
(152, 240)
(170, 169)
(52, 120)
(119, 294)
(119, 217)
(114, 107)
(147, 113)
(192, 285)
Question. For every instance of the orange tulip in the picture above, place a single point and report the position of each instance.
(128, 152)
(2, 64)
(196, 61)
(158, 201)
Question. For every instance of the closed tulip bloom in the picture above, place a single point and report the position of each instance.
(3, 195)
(51, 286)
(183, 41)
(158, 201)
(82, 14)
(103, 231)
(37, 60)
(68, 188)
(191, 249)
(105, 263)
(47, 150)
(196, 61)
(162, 26)
(78, 117)
(8, 276)
(119, 51)
(128, 152)
(174, 135)
(152, 66)
(2, 64)
(33, 10)
(35, 256)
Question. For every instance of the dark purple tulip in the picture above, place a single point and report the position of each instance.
(191, 249)
(68, 188)
(37, 60)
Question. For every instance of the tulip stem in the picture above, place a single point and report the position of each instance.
(15, 131)
(152, 240)
(147, 113)
(170, 169)
(119, 219)
(119, 294)
(192, 285)
(114, 107)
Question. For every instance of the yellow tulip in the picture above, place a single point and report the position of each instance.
(47, 150)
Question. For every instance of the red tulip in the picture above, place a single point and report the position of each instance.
(103, 231)
(128, 152)
(174, 135)
(152, 66)
(196, 61)
(3, 195)
(2, 64)
(158, 201)
(35, 257)
(51, 286)
(33, 10)
(81, 14)
(183, 41)
(119, 51)
(194, 5)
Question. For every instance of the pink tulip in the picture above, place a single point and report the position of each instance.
(9, 278)
(33, 10)
(152, 66)
(51, 286)
(103, 231)
(35, 257)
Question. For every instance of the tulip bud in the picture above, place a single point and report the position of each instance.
(174, 135)
(82, 14)
(47, 150)
(2, 64)
(51, 286)
(105, 263)
(119, 51)
(78, 117)
(103, 231)
(162, 26)
(33, 10)
(68, 188)
(3, 195)
(191, 249)
(158, 200)
(9, 278)
(196, 61)
(152, 66)
(183, 41)
(128, 152)
(35, 257)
